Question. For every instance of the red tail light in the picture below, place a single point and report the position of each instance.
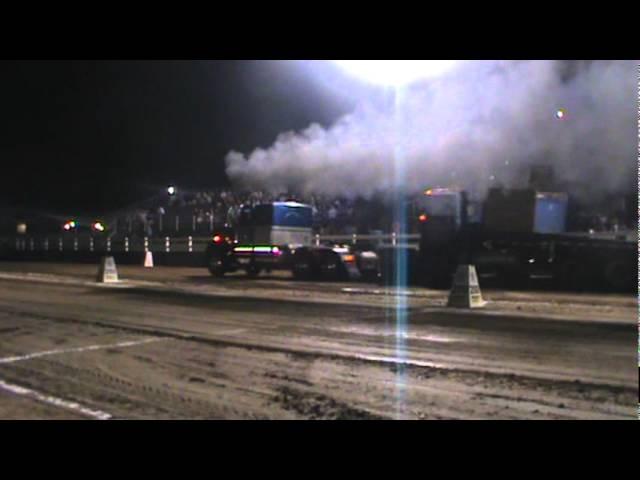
(217, 239)
(423, 218)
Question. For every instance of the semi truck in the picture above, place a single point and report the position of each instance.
(278, 236)
(515, 235)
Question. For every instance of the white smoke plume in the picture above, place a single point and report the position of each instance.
(482, 124)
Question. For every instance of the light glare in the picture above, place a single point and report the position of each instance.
(395, 72)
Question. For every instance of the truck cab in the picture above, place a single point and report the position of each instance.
(263, 239)
(278, 223)
(278, 236)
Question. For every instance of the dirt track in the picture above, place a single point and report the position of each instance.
(176, 344)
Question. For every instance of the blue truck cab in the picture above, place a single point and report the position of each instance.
(264, 239)
(277, 236)
(277, 224)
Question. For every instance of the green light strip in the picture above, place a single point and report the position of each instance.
(256, 248)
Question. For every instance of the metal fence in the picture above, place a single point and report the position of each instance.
(197, 244)
(167, 225)
(190, 244)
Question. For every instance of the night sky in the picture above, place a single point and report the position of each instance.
(94, 136)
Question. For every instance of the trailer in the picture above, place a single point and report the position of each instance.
(515, 235)
(278, 236)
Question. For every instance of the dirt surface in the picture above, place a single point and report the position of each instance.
(174, 343)
(577, 306)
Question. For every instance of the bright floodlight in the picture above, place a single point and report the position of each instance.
(395, 72)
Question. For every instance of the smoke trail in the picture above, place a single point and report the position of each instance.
(483, 124)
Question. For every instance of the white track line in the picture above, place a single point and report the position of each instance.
(77, 349)
(58, 402)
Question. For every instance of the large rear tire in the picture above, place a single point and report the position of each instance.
(302, 266)
(216, 267)
(253, 271)
(330, 268)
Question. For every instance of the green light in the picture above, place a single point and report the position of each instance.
(253, 248)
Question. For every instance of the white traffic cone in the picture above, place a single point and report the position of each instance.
(465, 292)
(148, 260)
(107, 273)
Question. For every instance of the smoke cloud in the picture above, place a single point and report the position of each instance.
(484, 123)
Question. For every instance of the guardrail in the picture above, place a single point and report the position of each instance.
(102, 244)
(378, 239)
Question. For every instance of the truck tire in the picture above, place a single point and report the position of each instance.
(253, 270)
(371, 276)
(216, 266)
(302, 266)
(331, 267)
(387, 266)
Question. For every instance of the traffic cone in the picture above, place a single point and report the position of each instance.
(107, 273)
(465, 292)
(148, 260)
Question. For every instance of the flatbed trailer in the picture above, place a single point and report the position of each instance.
(571, 261)
(449, 236)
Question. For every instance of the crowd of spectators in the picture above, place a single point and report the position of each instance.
(200, 212)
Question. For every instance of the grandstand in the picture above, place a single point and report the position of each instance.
(196, 213)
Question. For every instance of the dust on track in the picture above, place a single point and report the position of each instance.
(315, 374)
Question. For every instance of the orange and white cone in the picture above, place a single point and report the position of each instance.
(148, 260)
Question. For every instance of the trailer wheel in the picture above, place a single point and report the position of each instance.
(514, 279)
(575, 276)
(619, 276)
(439, 281)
